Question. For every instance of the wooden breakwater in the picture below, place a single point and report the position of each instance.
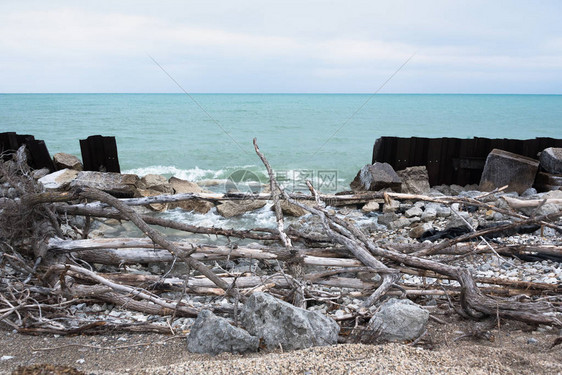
(452, 160)
(38, 154)
(99, 153)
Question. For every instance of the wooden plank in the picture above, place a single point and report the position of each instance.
(433, 160)
(40, 157)
(99, 154)
(111, 157)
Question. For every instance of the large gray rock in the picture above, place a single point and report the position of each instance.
(211, 334)
(551, 160)
(371, 206)
(399, 320)
(548, 181)
(235, 208)
(183, 187)
(290, 209)
(58, 180)
(506, 168)
(156, 182)
(67, 161)
(276, 323)
(116, 184)
(415, 180)
(374, 177)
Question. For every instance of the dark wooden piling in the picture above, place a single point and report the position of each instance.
(452, 160)
(99, 153)
(38, 153)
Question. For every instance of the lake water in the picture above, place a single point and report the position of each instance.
(306, 134)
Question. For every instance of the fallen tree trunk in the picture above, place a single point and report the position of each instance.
(473, 302)
(159, 239)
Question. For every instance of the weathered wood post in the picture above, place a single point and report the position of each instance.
(99, 153)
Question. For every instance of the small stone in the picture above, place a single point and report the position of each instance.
(485, 267)
(371, 206)
(340, 313)
(400, 223)
(387, 219)
(414, 211)
(532, 341)
(392, 206)
(443, 211)
(415, 219)
(529, 192)
(67, 161)
(429, 214)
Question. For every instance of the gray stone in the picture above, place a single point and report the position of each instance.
(387, 218)
(505, 168)
(59, 179)
(180, 186)
(414, 219)
(370, 207)
(67, 161)
(443, 189)
(152, 193)
(38, 173)
(470, 193)
(443, 211)
(529, 192)
(532, 341)
(290, 209)
(374, 177)
(399, 320)
(235, 208)
(456, 189)
(548, 181)
(400, 223)
(545, 209)
(211, 334)
(414, 211)
(278, 323)
(391, 206)
(456, 221)
(429, 214)
(117, 184)
(551, 160)
(415, 180)
(156, 182)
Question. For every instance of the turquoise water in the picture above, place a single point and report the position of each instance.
(169, 133)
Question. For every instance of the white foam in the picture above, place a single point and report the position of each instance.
(194, 174)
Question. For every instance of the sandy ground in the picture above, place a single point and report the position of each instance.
(515, 349)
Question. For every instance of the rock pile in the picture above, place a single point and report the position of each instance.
(266, 320)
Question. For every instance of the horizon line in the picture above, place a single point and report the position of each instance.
(267, 93)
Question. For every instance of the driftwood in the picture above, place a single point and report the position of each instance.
(50, 271)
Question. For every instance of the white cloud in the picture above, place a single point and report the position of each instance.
(59, 47)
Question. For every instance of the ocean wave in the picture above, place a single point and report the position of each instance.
(193, 174)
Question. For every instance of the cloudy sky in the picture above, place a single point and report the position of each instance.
(281, 46)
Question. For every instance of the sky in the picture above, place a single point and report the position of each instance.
(252, 46)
